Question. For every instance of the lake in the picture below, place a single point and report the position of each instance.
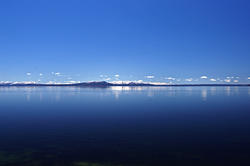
(125, 126)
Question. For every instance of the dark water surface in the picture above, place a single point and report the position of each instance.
(72, 126)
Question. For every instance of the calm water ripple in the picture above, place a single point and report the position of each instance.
(73, 126)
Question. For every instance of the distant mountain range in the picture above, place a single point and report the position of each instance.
(107, 84)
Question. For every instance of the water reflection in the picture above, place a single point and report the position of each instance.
(213, 91)
(228, 90)
(126, 88)
(57, 93)
(204, 94)
(123, 123)
(40, 96)
(149, 91)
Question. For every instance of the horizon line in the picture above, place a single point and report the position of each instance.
(106, 84)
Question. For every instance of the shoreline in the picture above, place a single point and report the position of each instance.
(110, 85)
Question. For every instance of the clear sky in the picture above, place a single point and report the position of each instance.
(149, 40)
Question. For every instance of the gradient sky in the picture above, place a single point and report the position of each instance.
(87, 40)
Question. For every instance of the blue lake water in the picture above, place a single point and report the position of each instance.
(73, 126)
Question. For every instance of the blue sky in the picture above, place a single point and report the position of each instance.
(86, 40)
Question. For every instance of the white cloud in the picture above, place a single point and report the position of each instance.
(28, 74)
(170, 78)
(248, 78)
(5, 82)
(107, 79)
(203, 77)
(73, 82)
(57, 74)
(121, 82)
(227, 80)
(150, 77)
(212, 79)
(189, 79)
(236, 81)
(50, 82)
(127, 81)
(117, 75)
(103, 76)
(41, 74)
(158, 83)
(25, 82)
(139, 81)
